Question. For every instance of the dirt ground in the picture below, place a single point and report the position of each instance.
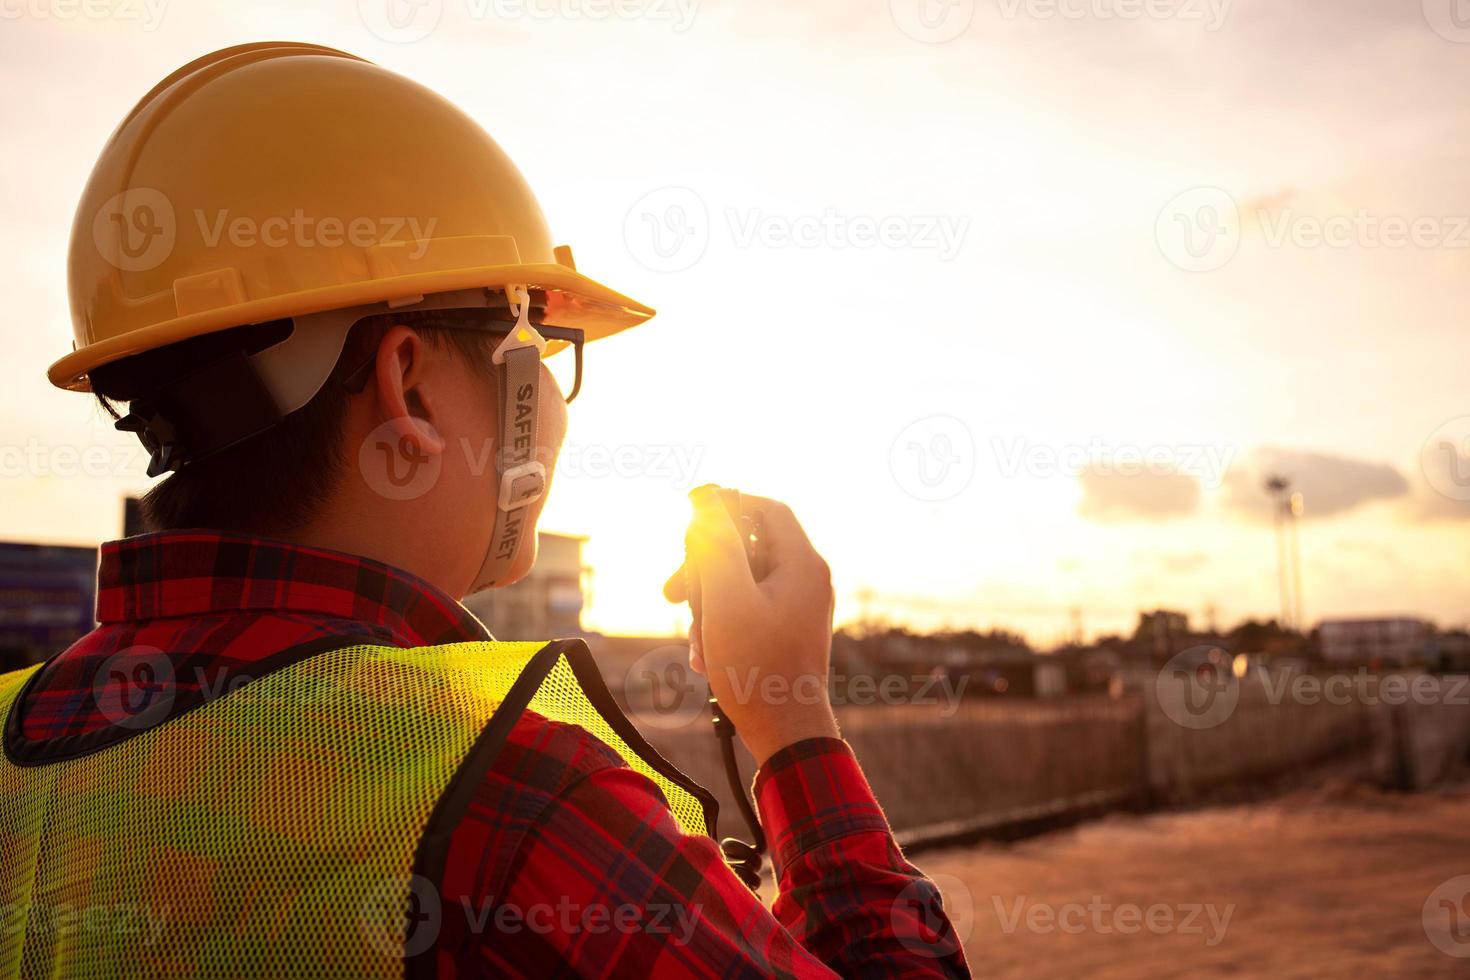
(1331, 882)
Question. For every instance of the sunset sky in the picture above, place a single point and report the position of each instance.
(954, 299)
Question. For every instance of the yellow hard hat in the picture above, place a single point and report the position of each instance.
(276, 180)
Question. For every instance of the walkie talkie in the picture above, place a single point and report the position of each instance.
(742, 857)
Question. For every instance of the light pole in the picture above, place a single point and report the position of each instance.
(1297, 507)
(1277, 487)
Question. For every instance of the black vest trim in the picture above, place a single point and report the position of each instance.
(433, 849)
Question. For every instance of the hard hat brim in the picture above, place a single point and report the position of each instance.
(573, 300)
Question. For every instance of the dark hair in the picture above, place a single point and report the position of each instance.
(278, 480)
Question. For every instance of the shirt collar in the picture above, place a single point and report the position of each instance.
(199, 573)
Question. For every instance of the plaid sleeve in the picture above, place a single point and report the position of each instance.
(607, 884)
(601, 881)
(845, 891)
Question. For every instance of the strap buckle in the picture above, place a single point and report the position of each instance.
(156, 434)
(524, 333)
(522, 485)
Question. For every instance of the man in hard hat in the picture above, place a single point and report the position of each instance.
(321, 296)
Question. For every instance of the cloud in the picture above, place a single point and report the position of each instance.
(1109, 497)
(1328, 484)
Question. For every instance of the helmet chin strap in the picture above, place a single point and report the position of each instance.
(522, 476)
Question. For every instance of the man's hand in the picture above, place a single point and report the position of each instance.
(765, 646)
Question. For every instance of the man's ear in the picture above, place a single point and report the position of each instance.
(403, 401)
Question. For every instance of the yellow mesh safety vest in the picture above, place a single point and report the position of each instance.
(290, 827)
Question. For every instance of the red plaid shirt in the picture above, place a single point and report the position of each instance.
(567, 862)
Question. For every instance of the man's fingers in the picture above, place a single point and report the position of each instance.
(714, 546)
(783, 536)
